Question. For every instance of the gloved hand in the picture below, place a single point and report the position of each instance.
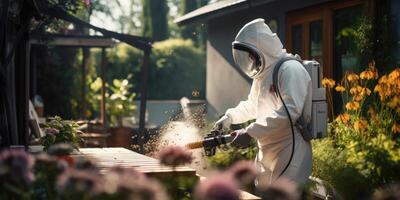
(242, 139)
(224, 122)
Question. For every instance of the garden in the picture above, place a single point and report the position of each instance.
(75, 124)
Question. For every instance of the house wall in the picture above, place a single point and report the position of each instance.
(225, 87)
(395, 11)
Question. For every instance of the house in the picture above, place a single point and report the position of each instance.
(314, 29)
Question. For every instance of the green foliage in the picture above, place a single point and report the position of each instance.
(178, 186)
(329, 164)
(119, 99)
(227, 155)
(177, 69)
(58, 130)
(120, 104)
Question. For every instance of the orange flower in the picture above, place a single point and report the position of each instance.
(367, 74)
(383, 79)
(394, 74)
(360, 125)
(328, 83)
(340, 88)
(358, 97)
(394, 102)
(356, 89)
(344, 118)
(396, 128)
(352, 105)
(352, 77)
(365, 91)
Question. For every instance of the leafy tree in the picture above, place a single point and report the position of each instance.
(154, 18)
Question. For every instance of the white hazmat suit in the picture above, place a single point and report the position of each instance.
(272, 128)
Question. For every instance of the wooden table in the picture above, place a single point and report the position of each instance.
(107, 158)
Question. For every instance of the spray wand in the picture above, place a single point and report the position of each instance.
(212, 141)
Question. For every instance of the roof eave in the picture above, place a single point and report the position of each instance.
(191, 17)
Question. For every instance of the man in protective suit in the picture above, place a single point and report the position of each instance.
(256, 50)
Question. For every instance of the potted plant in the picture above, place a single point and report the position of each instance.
(120, 104)
(58, 131)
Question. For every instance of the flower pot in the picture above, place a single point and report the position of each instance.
(120, 137)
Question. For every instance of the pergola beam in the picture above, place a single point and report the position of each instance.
(73, 41)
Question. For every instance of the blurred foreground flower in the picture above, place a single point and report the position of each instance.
(243, 172)
(221, 187)
(130, 184)
(174, 156)
(47, 169)
(16, 168)
(79, 183)
(387, 192)
(62, 152)
(282, 189)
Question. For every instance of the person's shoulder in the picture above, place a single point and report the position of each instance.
(292, 65)
(294, 68)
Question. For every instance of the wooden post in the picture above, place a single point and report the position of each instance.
(143, 97)
(103, 88)
(83, 84)
(22, 59)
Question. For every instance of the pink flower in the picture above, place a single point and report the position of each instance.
(51, 131)
(221, 187)
(86, 2)
(174, 156)
(74, 181)
(130, 184)
(243, 172)
(16, 167)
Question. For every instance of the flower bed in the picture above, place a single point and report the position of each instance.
(362, 151)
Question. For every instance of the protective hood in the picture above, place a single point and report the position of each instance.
(256, 38)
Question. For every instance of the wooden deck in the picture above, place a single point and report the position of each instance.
(107, 158)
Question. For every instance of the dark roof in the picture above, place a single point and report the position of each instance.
(217, 9)
(212, 10)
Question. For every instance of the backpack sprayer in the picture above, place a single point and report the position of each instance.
(212, 141)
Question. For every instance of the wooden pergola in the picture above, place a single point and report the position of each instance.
(15, 63)
(77, 41)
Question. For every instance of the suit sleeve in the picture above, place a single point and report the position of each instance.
(245, 110)
(294, 83)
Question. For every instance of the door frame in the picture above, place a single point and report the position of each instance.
(323, 12)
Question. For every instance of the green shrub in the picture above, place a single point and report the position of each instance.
(329, 164)
(177, 68)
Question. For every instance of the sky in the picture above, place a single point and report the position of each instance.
(103, 20)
